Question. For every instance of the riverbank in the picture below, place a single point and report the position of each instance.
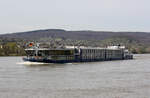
(17, 48)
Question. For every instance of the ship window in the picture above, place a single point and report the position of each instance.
(61, 52)
(39, 54)
(30, 52)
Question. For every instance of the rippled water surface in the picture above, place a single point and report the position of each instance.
(109, 79)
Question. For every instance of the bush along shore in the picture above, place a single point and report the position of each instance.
(16, 48)
(11, 49)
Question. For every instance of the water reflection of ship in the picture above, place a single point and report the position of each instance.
(67, 54)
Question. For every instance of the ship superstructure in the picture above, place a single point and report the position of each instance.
(69, 54)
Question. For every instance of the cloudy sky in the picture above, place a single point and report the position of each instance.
(100, 15)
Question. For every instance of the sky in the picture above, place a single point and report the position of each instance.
(98, 15)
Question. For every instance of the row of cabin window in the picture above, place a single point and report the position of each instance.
(93, 51)
(93, 57)
(99, 51)
(69, 57)
(63, 57)
(114, 52)
(85, 58)
(102, 57)
(112, 56)
(55, 52)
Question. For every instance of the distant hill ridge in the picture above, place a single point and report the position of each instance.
(77, 35)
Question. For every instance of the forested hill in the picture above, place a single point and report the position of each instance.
(78, 35)
(13, 44)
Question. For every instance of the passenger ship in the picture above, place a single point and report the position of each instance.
(71, 54)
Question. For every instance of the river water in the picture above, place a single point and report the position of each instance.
(109, 79)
